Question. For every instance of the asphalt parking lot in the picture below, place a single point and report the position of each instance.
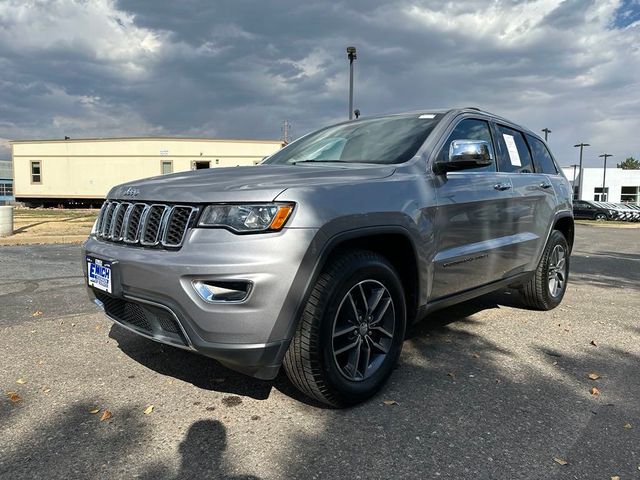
(486, 389)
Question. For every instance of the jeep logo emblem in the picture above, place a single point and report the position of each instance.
(131, 192)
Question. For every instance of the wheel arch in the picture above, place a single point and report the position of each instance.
(393, 242)
(564, 224)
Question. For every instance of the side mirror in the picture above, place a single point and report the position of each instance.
(464, 154)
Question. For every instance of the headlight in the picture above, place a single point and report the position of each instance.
(247, 218)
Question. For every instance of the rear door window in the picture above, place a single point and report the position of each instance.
(542, 160)
(514, 153)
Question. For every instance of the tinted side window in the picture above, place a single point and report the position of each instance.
(471, 129)
(541, 157)
(514, 154)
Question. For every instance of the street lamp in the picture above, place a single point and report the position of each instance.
(351, 55)
(604, 175)
(581, 145)
(546, 133)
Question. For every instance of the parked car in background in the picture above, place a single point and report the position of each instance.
(318, 259)
(584, 209)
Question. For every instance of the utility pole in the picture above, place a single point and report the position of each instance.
(286, 128)
(581, 145)
(546, 133)
(604, 197)
(351, 55)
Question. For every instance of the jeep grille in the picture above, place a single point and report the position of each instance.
(146, 224)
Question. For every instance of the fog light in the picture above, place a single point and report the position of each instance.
(214, 291)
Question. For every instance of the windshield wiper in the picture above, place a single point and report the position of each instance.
(324, 161)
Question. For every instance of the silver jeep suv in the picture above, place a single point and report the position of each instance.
(319, 258)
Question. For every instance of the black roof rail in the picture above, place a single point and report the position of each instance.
(473, 108)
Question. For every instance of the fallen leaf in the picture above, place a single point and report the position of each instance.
(628, 425)
(148, 410)
(14, 397)
(560, 461)
(555, 363)
(37, 313)
(451, 374)
(390, 402)
(475, 355)
(21, 381)
(594, 343)
(94, 411)
(106, 415)
(594, 391)
(593, 376)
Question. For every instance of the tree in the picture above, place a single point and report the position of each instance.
(630, 164)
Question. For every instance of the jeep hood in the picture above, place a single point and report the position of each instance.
(261, 183)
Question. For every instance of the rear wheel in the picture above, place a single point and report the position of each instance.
(548, 284)
(351, 332)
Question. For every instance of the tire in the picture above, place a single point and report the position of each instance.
(314, 362)
(540, 292)
(600, 217)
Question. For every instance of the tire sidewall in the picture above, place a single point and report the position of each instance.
(347, 391)
(556, 238)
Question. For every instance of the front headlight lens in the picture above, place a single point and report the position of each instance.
(247, 218)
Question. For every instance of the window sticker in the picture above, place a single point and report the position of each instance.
(514, 156)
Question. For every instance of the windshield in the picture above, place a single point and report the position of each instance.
(378, 140)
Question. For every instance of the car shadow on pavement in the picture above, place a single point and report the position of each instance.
(208, 374)
(198, 370)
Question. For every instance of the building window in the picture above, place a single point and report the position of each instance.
(6, 189)
(166, 166)
(36, 172)
(630, 195)
(598, 196)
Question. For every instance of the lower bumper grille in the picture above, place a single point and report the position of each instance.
(153, 321)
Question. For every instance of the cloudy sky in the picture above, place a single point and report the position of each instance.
(234, 68)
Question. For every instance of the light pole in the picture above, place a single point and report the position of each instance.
(546, 133)
(574, 174)
(581, 145)
(351, 55)
(604, 176)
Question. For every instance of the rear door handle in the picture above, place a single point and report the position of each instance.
(502, 186)
(545, 185)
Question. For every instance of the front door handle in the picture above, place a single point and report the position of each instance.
(502, 186)
(545, 185)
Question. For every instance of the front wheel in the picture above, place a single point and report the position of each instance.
(351, 332)
(548, 283)
(600, 217)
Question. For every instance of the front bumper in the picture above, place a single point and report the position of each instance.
(156, 286)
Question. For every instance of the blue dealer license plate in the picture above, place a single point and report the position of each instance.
(99, 274)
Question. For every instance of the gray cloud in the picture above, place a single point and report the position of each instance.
(237, 69)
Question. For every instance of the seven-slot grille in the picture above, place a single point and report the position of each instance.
(146, 224)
